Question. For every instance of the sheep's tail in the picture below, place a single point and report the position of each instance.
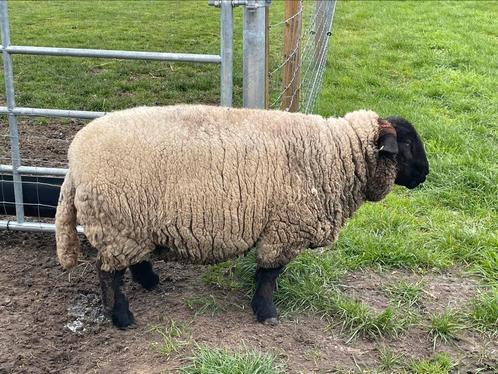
(66, 236)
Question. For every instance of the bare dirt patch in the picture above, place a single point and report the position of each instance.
(442, 291)
(41, 144)
(450, 290)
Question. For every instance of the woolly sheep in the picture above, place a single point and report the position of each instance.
(209, 183)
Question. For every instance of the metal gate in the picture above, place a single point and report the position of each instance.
(16, 169)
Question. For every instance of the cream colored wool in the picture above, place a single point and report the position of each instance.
(209, 183)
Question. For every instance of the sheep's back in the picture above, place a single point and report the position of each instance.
(199, 180)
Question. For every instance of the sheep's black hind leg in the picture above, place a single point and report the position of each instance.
(262, 302)
(143, 274)
(115, 302)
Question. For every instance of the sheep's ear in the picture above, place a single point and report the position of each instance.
(388, 142)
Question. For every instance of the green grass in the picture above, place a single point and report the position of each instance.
(484, 312)
(358, 319)
(103, 84)
(405, 293)
(427, 71)
(310, 283)
(444, 326)
(205, 304)
(221, 361)
(439, 364)
(389, 359)
(392, 362)
(173, 337)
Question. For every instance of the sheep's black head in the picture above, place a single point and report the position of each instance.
(404, 144)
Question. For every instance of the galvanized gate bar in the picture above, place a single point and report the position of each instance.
(38, 112)
(11, 103)
(105, 53)
(31, 226)
(34, 170)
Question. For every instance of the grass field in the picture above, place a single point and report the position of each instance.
(432, 62)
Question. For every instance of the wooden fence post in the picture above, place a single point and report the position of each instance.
(292, 54)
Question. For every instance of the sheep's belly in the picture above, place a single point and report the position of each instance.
(197, 254)
(170, 255)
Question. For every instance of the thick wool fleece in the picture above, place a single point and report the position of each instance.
(209, 183)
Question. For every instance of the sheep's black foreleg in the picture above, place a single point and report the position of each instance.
(143, 274)
(262, 302)
(115, 302)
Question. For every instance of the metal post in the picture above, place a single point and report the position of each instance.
(254, 54)
(226, 52)
(11, 103)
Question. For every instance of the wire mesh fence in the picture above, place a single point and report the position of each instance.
(41, 145)
(299, 35)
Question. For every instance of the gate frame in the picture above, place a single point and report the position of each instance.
(225, 59)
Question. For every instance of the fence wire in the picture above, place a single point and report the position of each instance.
(295, 77)
(41, 195)
(42, 144)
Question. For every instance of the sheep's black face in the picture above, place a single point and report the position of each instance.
(413, 166)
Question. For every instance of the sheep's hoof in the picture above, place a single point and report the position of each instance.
(271, 321)
(122, 319)
(264, 311)
(150, 282)
(144, 275)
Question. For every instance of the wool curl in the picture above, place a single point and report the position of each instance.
(209, 183)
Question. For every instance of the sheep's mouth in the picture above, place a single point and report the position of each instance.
(412, 184)
(411, 181)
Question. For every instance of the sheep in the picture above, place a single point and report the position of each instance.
(209, 183)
